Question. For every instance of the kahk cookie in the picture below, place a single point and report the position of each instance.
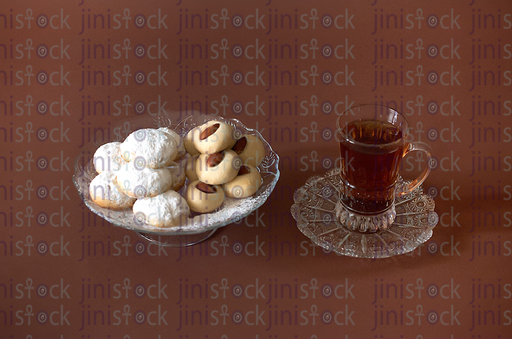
(108, 157)
(251, 149)
(179, 141)
(140, 182)
(165, 210)
(214, 136)
(204, 198)
(218, 168)
(105, 192)
(150, 147)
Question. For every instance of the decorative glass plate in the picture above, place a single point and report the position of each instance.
(314, 211)
(198, 226)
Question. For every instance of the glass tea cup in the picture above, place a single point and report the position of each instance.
(373, 141)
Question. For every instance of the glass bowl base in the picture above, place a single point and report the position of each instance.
(181, 240)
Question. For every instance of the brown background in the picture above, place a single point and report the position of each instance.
(467, 258)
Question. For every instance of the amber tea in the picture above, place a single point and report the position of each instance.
(370, 170)
(372, 141)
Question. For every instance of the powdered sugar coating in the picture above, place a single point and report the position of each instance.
(105, 192)
(179, 141)
(165, 210)
(108, 157)
(143, 182)
(149, 146)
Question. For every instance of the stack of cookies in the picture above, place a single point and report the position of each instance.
(221, 165)
(145, 171)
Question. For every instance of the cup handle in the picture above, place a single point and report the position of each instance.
(406, 188)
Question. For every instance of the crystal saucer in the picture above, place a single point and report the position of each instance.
(314, 211)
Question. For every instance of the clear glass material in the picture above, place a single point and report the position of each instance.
(198, 226)
(314, 209)
(373, 139)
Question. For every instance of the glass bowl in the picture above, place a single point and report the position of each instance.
(198, 226)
